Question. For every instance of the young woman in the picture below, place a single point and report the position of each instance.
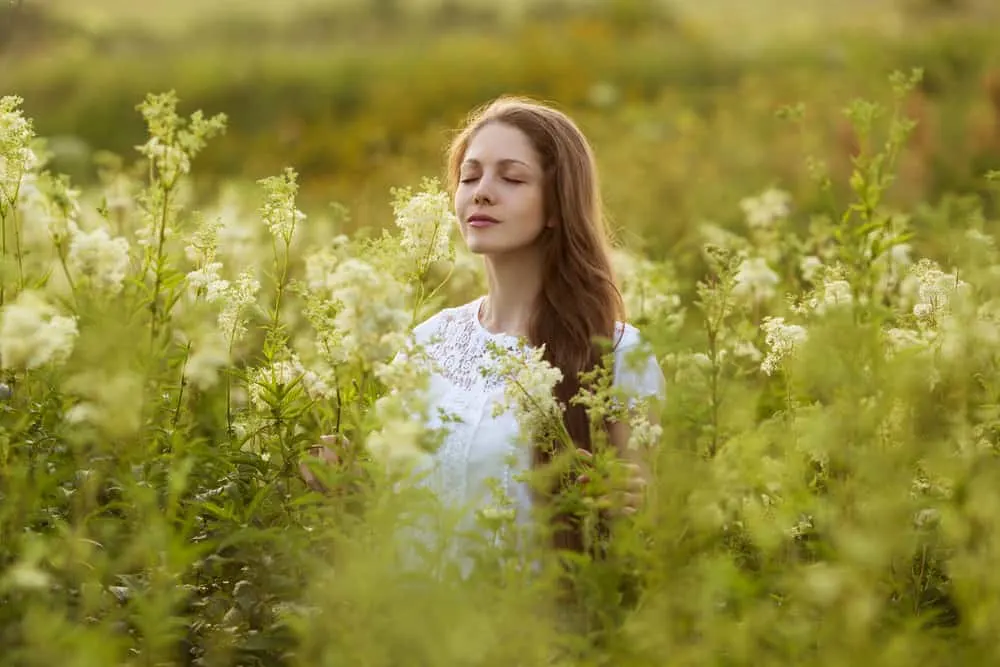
(526, 196)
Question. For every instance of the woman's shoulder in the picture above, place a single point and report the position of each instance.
(627, 335)
(636, 366)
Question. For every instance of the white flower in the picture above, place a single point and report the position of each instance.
(765, 209)
(755, 280)
(16, 157)
(643, 434)
(425, 220)
(285, 372)
(33, 334)
(209, 354)
(782, 340)
(646, 290)
(529, 384)
(207, 279)
(833, 294)
(278, 211)
(811, 265)
(935, 289)
(102, 259)
(372, 318)
(240, 296)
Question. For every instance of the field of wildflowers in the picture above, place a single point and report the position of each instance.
(826, 467)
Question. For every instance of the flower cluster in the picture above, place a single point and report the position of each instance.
(529, 383)
(425, 221)
(782, 340)
(33, 333)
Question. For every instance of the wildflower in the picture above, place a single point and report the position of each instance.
(33, 334)
(782, 340)
(240, 296)
(810, 266)
(371, 314)
(529, 384)
(174, 143)
(765, 209)
(207, 281)
(755, 280)
(278, 211)
(285, 372)
(204, 242)
(935, 289)
(102, 259)
(49, 210)
(833, 294)
(643, 433)
(16, 158)
(209, 354)
(645, 290)
(425, 220)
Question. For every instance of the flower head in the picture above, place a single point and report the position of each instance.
(782, 340)
(529, 384)
(755, 280)
(102, 259)
(425, 220)
(33, 334)
(766, 208)
(278, 211)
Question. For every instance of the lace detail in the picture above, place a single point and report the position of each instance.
(458, 348)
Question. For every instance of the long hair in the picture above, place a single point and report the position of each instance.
(579, 301)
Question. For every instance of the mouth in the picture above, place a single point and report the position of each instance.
(481, 220)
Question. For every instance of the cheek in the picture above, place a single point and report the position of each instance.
(533, 206)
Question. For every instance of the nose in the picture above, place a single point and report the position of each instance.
(483, 193)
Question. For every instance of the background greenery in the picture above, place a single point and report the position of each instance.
(680, 98)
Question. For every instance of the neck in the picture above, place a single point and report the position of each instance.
(515, 281)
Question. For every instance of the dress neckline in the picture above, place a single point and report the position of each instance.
(474, 310)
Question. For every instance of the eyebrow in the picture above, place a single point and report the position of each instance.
(472, 162)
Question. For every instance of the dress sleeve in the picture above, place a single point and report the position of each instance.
(637, 371)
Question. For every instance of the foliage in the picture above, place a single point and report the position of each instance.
(824, 480)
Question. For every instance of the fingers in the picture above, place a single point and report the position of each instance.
(323, 451)
(630, 495)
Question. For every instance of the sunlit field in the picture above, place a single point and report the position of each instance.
(213, 249)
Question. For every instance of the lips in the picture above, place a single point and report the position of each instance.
(481, 220)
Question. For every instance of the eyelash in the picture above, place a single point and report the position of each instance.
(509, 180)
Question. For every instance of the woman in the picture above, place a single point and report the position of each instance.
(526, 196)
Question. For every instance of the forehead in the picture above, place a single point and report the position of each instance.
(499, 142)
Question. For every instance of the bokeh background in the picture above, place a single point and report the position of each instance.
(680, 97)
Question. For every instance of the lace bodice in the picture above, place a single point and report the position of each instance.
(477, 446)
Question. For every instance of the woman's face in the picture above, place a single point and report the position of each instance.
(500, 196)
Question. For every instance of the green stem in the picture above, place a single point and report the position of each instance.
(180, 391)
(158, 280)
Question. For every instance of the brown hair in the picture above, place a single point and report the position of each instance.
(577, 258)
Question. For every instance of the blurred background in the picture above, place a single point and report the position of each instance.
(680, 97)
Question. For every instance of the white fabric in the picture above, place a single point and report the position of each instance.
(478, 447)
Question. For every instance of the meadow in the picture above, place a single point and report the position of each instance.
(214, 242)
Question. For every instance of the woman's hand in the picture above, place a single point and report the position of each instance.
(323, 452)
(630, 495)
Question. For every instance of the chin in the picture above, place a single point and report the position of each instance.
(479, 245)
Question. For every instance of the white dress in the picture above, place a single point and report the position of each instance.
(477, 446)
